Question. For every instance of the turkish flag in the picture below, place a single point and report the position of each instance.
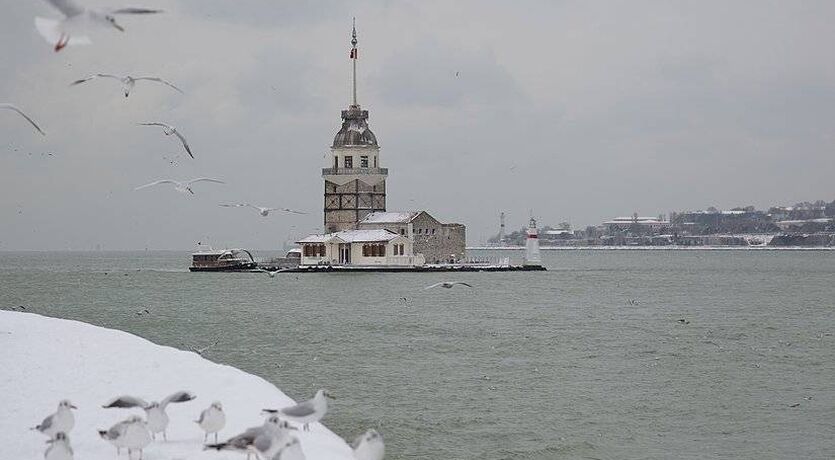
(353, 53)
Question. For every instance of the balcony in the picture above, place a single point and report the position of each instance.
(354, 171)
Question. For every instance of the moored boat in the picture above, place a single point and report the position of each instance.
(222, 260)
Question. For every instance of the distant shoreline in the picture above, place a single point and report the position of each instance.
(655, 248)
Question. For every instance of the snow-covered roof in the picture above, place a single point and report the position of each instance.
(389, 217)
(352, 236)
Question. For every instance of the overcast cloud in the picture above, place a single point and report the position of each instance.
(575, 110)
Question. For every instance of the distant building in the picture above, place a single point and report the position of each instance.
(438, 242)
(359, 248)
(642, 224)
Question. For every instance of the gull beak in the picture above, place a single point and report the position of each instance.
(73, 406)
(118, 27)
(328, 395)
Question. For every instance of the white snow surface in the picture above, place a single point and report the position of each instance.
(44, 360)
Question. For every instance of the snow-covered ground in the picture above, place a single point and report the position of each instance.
(44, 360)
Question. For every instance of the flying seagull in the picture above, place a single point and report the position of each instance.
(77, 19)
(128, 82)
(305, 412)
(14, 108)
(154, 411)
(263, 211)
(169, 130)
(182, 187)
(447, 284)
(272, 273)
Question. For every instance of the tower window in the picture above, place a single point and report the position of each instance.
(364, 161)
(335, 161)
(375, 162)
(349, 162)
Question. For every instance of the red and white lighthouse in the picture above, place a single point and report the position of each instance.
(532, 245)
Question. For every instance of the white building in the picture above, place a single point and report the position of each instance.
(359, 248)
(625, 223)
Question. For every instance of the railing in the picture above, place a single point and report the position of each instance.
(406, 260)
(336, 171)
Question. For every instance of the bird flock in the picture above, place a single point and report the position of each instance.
(274, 439)
(73, 28)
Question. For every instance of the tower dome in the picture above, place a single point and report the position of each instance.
(354, 131)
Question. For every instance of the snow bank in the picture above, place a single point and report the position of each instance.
(44, 360)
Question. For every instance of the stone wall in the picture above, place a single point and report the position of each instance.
(436, 241)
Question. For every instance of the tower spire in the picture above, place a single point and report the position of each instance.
(354, 59)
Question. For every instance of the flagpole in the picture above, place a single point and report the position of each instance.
(354, 58)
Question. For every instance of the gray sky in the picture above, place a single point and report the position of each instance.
(576, 110)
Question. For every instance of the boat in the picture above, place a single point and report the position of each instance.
(291, 260)
(222, 260)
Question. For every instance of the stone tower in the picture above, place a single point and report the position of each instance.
(355, 184)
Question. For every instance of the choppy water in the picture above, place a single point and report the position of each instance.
(526, 365)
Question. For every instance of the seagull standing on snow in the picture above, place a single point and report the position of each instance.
(306, 412)
(369, 446)
(15, 108)
(61, 421)
(263, 211)
(59, 448)
(169, 130)
(212, 420)
(155, 411)
(116, 434)
(448, 284)
(128, 82)
(77, 19)
(291, 449)
(132, 434)
(182, 187)
(263, 441)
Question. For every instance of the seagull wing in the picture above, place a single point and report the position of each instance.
(67, 7)
(238, 205)
(47, 422)
(14, 108)
(302, 409)
(155, 123)
(434, 285)
(164, 181)
(205, 179)
(134, 11)
(93, 77)
(178, 397)
(462, 283)
(126, 401)
(160, 80)
(185, 143)
(286, 210)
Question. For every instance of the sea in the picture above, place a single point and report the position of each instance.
(607, 355)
